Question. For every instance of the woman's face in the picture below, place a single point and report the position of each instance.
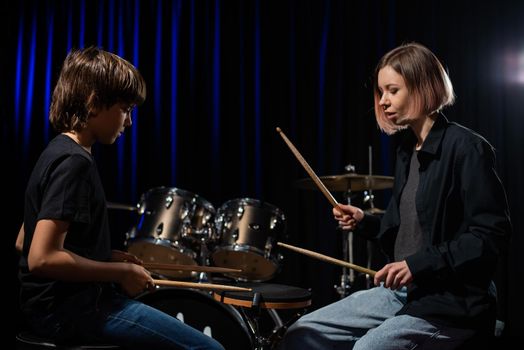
(394, 97)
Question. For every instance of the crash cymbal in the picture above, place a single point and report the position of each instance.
(113, 205)
(350, 181)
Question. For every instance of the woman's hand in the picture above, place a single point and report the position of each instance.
(395, 275)
(348, 216)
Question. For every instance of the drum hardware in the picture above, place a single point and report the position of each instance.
(268, 297)
(278, 332)
(203, 276)
(347, 279)
(252, 317)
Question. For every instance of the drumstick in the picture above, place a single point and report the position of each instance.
(328, 259)
(210, 286)
(310, 171)
(160, 266)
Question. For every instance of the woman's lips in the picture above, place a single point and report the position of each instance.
(391, 115)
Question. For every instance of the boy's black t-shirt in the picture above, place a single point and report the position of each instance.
(64, 185)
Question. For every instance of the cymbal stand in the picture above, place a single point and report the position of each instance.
(368, 195)
(348, 276)
(368, 198)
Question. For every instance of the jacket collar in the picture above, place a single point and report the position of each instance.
(433, 141)
(431, 145)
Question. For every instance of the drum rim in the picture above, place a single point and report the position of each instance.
(250, 249)
(166, 243)
(236, 247)
(264, 305)
(254, 202)
(185, 194)
(246, 298)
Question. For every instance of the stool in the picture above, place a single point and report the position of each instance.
(28, 341)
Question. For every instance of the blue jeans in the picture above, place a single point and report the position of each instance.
(366, 320)
(98, 315)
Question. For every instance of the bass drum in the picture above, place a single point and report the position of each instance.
(198, 309)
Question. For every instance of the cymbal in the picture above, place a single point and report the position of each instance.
(348, 182)
(113, 205)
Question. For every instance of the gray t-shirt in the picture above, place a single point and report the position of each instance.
(409, 238)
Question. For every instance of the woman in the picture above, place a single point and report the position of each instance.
(443, 230)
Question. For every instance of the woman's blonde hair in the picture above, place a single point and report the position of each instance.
(425, 77)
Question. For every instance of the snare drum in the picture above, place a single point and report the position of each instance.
(172, 226)
(267, 296)
(270, 298)
(248, 230)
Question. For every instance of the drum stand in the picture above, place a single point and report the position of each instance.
(252, 318)
(348, 276)
(368, 198)
(203, 277)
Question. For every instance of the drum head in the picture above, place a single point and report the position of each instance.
(254, 266)
(151, 251)
(220, 321)
(270, 296)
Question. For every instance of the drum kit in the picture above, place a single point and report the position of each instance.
(182, 240)
(181, 237)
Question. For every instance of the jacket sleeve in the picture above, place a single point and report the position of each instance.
(369, 227)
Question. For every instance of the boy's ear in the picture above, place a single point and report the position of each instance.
(93, 104)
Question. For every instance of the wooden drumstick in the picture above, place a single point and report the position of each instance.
(195, 285)
(196, 268)
(310, 171)
(328, 259)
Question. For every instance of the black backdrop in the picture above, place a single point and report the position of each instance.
(222, 75)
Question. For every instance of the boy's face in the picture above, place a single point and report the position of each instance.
(107, 124)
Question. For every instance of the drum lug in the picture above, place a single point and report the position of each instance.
(169, 201)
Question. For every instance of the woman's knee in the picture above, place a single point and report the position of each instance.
(301, 335)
